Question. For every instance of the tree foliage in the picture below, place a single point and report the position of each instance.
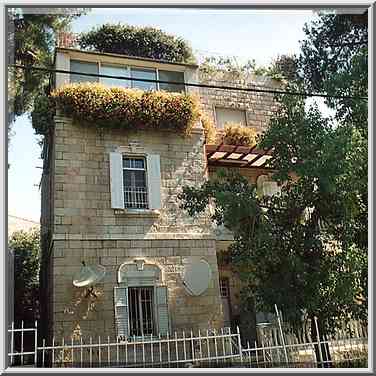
(137, 41)
(26, 250)
(333, 59)
(31, 42)
(305, 249)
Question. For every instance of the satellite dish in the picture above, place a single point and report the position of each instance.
(197, 277)
(89, 275)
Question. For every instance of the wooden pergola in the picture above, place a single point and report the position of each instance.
(237, 156)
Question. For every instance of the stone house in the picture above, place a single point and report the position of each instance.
(110, 198)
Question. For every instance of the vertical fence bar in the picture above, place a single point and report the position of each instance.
(223, 344)
(160, 349)
(53, 351)
(199, 343)
(126, 351)
(99, 351)
(117, 351)
(134, 349)
(108, 351)
(152, 350)
(193, 347)
(208, 345)
(62, 352)
(257, 362)
(81, 352)
(168, 349)
(143, 349)
(281, 332)
(22, 342)
(239, 344)
(249, 354)
(36, 344)
(44, 345)
(176, 347)
(184, 349)
(12, 343)
(91, 352)
(215, 345)
(318, 341)
(72, 349)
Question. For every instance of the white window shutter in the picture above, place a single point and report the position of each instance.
(116, 181)
(154, 181)
(121, 311)
(162, 310)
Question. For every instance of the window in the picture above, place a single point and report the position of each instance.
(224, 287)
(141, 307)
(140, 301)
(83, 67)
(229, 115)
(115, 70)
(135, 182)
(174, 77)
(149, 74)
(135, 188)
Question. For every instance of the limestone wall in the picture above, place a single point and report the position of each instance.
(258, 107)
(86, 228)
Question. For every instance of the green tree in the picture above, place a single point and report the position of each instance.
(26, 252)
(137, 41)
(305, 250)
(31, 42)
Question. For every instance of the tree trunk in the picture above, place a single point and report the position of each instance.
(322, 350)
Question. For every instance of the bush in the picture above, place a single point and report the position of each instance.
(137, 41)
(236, 134)
(42, 116)
(26, 250)
(209, 129)
(115, 107)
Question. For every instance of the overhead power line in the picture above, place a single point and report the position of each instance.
(224, 87)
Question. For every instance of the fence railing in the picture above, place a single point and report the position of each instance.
(277, 345)
(176, 350)
(281, 346)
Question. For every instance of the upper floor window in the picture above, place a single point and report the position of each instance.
(127, 71)
(134, 179)
(148, 74)
(229, 115)
(115, 70)
(172, 77)
(83, 67)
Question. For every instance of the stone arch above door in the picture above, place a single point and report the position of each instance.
(139, 273)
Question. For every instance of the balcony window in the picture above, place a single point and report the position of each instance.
(83, 67)
(149, 74)
(115, 70)
(173, 77)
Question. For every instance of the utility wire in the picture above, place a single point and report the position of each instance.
(233, 88)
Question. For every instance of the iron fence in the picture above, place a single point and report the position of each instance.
(277, 345)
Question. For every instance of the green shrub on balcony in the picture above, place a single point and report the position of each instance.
(237, 134)
(137, 41)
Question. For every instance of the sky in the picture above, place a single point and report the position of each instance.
(261, 35)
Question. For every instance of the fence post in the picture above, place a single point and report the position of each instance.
(281, 333)
(12, 343)
(36, 344)
(318, 341)
(239, 344)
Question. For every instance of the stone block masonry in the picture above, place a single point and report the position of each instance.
(86, 228)
(74, 313)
